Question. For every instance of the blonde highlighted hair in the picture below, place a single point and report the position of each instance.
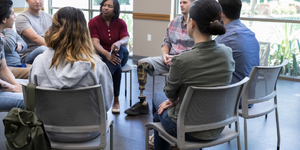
(69, 37)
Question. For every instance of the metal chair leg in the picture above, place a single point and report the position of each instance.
(111, 137)
(238, 138)
(147, 139)
(126, 84)
(278, 131)
(245, 134)
(130, 88)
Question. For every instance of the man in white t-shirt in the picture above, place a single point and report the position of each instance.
(32, 25)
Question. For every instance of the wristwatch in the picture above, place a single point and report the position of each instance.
(16, 46)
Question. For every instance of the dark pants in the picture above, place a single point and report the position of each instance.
(169, 125)
(116, 70)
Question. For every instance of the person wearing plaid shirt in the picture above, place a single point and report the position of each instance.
(176, 41)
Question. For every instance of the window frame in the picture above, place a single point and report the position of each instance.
(262, 19)
(90, 9)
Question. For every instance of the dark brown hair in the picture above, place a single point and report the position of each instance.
(207, 15)
(231, 8)
(5, 11)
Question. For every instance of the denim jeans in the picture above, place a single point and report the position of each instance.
(29, 58)
(168, 124)
(8, 100)
(116, 70)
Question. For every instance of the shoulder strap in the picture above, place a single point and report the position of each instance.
(30, 97)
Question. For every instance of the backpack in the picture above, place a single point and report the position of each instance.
(23, 129)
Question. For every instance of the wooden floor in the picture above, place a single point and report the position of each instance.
(129, 131)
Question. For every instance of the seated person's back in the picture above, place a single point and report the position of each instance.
(72, 66)
(242, 41)
(207, 64)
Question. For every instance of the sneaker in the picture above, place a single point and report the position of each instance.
(137, 109)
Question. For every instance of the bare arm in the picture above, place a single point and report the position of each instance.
(124, 40)
(99, 48)
(110, 57)
(115, 47)
(33, 36)
(7, 79)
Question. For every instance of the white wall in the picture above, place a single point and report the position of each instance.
(142, 27)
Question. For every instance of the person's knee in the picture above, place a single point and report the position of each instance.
(10, 100)
(123, 49)
(158, 98)
(41, 49)
(143, 61)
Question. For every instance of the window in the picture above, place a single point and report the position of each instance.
(91, 8)
(277, 22)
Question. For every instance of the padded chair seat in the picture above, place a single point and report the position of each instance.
(126, 68)
(93, 144)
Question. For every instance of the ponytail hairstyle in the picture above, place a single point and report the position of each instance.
(69, 37)
(207, 15)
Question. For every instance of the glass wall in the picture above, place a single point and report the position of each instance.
(91, 8)
(276, 22)
(279, 9)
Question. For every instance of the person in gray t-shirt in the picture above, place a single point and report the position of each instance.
(32, 25)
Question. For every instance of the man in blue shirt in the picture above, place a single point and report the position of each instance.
(242, 41)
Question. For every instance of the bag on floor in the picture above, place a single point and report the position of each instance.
(23, 129)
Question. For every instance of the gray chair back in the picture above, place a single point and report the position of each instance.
(261, 86)
(70, 108)
(206, 108)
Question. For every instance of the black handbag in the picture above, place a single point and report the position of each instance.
(23, 129)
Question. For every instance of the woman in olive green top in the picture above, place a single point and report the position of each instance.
(206, 64)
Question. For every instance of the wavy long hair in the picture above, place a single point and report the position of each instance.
(69, 37)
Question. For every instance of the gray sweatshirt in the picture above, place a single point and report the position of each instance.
(11, 55)
(71, 75)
